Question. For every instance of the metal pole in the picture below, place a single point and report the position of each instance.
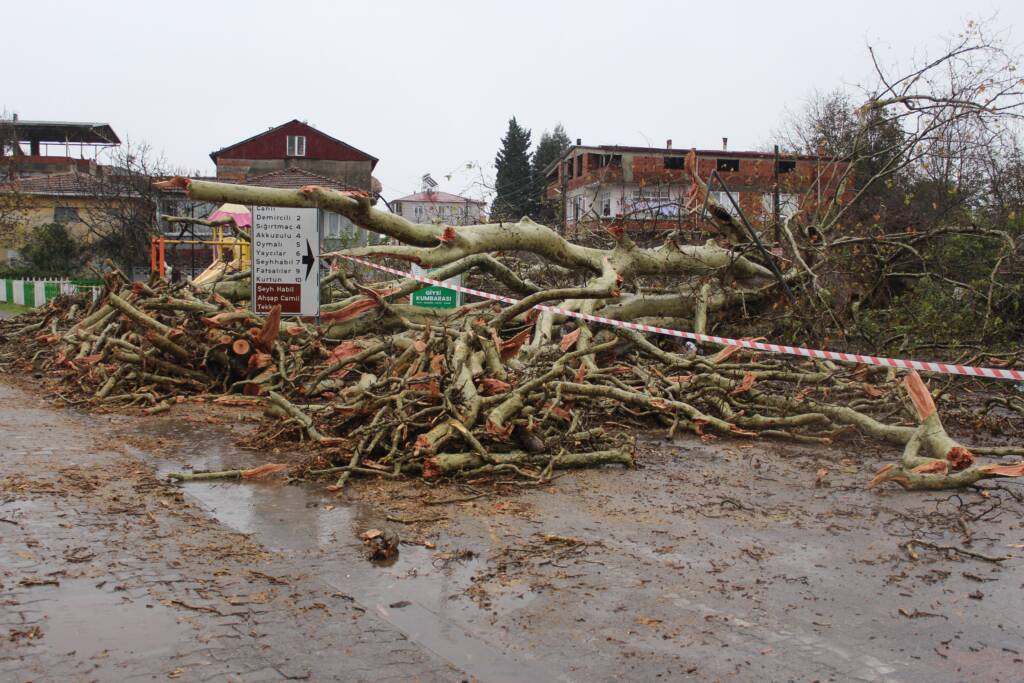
(565, 190)
(775, 200)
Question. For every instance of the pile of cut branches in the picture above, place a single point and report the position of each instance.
(386, 389)
(464, 396)
(150, 345)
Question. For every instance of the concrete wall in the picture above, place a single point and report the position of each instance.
(45, 165)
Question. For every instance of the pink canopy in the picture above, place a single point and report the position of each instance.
(243, 218)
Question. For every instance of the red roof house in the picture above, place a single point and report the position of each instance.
(296, 145)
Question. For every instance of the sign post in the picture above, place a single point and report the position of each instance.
(436, 297)
(285, 260)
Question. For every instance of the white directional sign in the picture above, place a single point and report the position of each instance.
(285, 260)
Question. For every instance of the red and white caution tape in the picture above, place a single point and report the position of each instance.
(927, 366)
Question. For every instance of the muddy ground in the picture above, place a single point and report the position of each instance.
(712, 561)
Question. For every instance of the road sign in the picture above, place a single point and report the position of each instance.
(285, 260)
(436, 297)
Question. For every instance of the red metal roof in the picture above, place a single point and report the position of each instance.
(270, 145)
(437, 198)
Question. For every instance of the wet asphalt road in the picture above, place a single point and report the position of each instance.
(714, 561)
(109, 574)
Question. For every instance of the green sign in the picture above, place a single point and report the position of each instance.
(436, 297)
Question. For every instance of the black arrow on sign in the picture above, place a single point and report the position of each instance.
(308, 259)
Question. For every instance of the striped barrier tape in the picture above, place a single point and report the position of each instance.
(927, 366)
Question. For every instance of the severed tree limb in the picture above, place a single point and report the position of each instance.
(434, 246)
(227, 222)
(452, 463)
(136, 315)
(945, 463)
(644, 400)
(605, 285)
(909, 545)
(252, 473)
(280, 402)
(700, 314)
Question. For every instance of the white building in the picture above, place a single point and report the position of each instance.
(431, 206)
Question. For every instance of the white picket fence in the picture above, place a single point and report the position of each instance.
(36, 292)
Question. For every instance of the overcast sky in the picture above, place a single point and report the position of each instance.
(429, 87)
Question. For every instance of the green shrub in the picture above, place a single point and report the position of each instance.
(50, 251)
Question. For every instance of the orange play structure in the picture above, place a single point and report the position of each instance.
(231, 254)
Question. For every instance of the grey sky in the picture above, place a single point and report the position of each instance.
(430, 86)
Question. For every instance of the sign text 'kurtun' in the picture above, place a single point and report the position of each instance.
(285, 258)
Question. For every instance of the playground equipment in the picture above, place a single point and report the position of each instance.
(231, 252)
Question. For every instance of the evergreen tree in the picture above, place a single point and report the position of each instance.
(514, 196)
(550, 147)
(51, 251)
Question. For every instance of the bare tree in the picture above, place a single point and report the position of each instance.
(12, 201)
(124, 205)
(921, 156)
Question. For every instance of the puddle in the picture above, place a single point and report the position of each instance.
(93, 622)
(417, 594)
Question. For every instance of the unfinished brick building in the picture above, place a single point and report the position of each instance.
(645, 188)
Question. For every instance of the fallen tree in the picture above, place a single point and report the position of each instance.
(385, 389)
